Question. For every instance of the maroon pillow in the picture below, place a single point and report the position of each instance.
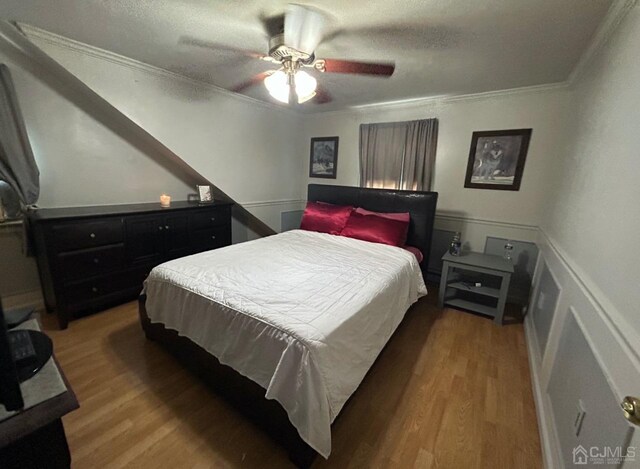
(376, 229)
(325, 218)
(415, 251)
(400, 216)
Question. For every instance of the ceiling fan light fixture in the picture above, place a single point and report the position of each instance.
(278, 86)
(305, 86)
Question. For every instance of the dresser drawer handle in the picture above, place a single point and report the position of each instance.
(96, 260)
(94, 289)
(166, 227)
(213, 237)
(92, 235)
(213, 218)
(160, 228)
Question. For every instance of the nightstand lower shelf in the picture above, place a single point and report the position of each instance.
(485, 291)
(472, 306)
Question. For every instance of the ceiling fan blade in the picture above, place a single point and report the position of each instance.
(303, 28)
(361, 68)
(322, 96)
(255, 80)
(191, 41)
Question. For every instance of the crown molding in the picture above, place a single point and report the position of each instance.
(616, 13)
(33, 32)
(443, 99)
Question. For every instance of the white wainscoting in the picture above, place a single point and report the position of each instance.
(614, 344)
(269, 211)
(475, 230)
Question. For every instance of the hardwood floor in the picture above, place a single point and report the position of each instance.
(451, 390)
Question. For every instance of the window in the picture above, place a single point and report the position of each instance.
(398, 155)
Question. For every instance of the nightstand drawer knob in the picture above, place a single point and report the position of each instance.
(213, 218)
(166, 227)
(94, 289)
(96, 260)
(213, 237)
(92, 235)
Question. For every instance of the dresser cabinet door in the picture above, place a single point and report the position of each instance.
(144, 239)
(176, 235)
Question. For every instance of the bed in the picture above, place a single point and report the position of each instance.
(287, 326)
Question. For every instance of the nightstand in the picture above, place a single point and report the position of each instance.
(487, 299)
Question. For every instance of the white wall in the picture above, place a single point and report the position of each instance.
(589, 244)
(246, 149)
(595, 214)
(476, 212)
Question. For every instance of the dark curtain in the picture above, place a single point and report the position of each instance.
(18, 167)
(398, 155)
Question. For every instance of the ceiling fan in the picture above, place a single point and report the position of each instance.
(292, 46)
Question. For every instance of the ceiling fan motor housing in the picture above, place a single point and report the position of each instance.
(280, 51)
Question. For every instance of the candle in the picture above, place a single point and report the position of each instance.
(165, 200)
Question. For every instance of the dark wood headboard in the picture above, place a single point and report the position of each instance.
(420, 205)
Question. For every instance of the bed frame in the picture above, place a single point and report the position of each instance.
(246, 395)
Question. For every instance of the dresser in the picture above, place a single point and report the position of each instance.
(90, 258)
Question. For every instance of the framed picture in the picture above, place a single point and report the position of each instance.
(323, 162)
(496, 159)
(205, 194)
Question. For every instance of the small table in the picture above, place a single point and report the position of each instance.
(475, 262)
(34, 438)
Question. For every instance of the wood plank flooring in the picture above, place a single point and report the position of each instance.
(451, 390)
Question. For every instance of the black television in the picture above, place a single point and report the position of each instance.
(10, 394)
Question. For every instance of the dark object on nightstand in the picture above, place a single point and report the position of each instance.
(90, 258)
(33, 438)
(483, 299)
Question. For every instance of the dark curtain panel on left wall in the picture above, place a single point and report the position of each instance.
(18, 168)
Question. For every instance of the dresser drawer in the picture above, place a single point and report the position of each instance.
(80, 293)
(85, 234)
(209, 218)
(91, 262)
(205, 240)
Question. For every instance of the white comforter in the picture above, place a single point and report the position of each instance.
(302, 314)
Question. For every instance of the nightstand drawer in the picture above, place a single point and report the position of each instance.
(210, 218)
(205, 240)
(85, 234)
(91, 262)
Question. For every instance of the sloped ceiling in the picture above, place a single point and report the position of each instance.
(440, 47)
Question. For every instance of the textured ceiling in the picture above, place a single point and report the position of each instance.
(440, 47)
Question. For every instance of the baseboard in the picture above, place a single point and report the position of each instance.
(31, 299)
